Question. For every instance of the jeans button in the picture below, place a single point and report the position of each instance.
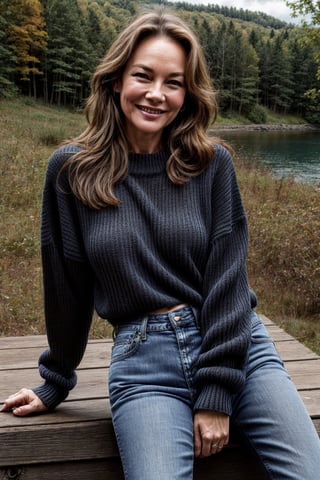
(177, 318)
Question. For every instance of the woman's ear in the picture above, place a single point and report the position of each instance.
(117, 86)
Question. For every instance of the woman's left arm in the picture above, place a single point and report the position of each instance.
(225, 318)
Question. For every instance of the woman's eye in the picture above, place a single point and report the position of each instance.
(175, 83)
(142, 75)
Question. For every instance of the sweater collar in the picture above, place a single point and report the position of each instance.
(147, 163)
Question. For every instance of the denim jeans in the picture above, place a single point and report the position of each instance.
(152, 394)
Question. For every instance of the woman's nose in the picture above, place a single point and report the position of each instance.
(155, 93)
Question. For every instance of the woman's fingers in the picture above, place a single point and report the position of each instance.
(211, 432)
(23, 403)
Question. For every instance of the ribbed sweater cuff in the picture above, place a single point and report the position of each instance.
(51, 395)
(213, 397)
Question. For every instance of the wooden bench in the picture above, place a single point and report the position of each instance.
(77, 440)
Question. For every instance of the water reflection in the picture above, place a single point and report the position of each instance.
(284, 152)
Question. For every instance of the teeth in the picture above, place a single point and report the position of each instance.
(150, 110)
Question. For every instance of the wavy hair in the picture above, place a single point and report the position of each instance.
(103, 161)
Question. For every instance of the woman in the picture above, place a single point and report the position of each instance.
(142, 220)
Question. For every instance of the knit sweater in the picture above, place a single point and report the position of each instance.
(165, 244)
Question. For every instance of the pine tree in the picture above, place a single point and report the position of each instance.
(28, 38)
(7, 58)
(241, 72)
(68, 55)
(281, 85)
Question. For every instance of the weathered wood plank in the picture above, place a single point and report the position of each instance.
(305, 374)
(85, 470)
(292, 350)
(221, 467)
(33, 341)
(97, 355)
(311, 399)
(91, 382)
(68, 412)
(278, 334)
(266, 320)
(35, 444)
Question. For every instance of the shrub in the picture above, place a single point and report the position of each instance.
(257, 114)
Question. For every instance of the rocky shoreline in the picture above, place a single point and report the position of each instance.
(265, 127)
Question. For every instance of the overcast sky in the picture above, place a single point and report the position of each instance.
(276, 8)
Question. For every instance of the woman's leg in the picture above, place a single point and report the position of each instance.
(154, 436)
(271, 416)
(151, 395)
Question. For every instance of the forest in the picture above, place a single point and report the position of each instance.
(49, 49)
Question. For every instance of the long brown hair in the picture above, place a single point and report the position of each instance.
(103, 161)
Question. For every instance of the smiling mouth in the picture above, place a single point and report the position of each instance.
(153, 111)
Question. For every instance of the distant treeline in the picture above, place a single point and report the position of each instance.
(49, 49)
(260, 18)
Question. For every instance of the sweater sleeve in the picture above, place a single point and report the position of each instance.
(68, 285)
(226, 312)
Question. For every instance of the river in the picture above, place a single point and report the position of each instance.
(294, 153)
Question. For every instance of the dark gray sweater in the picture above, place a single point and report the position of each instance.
(164, 245)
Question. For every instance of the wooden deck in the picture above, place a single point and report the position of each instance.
(77, 441)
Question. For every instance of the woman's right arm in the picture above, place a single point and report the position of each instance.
(68, 292)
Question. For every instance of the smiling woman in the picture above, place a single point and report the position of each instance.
(152, 91)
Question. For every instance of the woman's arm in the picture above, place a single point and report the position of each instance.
(68, 292)
(225, 317)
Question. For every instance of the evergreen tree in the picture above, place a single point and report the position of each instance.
(281, 85)
(241, 72)
(303, 74)
(311, 36)
(68, 54)
(7, 58)
(97, 38)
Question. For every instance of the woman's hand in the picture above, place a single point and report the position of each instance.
(23, 403)
(211, 432)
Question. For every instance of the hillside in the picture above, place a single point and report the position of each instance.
(256, 61)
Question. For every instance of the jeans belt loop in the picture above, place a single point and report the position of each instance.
(143, 328)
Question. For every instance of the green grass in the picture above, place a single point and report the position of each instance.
(278, 118)
(271, 118)
(284, 220)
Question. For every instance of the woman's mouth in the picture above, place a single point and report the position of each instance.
(149, 110)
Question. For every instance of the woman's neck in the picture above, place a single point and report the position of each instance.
(145, 144)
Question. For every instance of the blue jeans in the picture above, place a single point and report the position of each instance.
(152, 394)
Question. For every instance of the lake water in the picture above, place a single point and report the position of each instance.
(284, 152)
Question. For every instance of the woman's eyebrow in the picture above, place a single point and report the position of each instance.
(150, 70)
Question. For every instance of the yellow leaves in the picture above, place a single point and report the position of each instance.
(27, 35)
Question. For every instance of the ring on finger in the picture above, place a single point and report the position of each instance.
(213, 446)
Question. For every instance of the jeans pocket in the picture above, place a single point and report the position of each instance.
(125, 344)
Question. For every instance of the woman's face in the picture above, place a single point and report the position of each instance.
(152, 91)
